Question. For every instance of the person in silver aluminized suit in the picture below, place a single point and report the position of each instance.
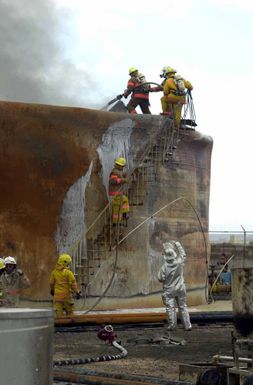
(171, 275)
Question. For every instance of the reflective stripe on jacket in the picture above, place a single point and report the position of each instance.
(117, 179)
(136, 88)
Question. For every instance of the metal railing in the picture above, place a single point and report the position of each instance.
(231, 236)
(95, 246)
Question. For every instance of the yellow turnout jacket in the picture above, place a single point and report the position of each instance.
(63, 282)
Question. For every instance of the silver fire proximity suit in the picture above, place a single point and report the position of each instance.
(171, 275)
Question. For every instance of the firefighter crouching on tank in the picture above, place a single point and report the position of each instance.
(63, 287)
(174, 90)
(13, 280)
(140, 93)
(117, 186)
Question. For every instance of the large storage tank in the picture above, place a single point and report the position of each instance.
(26, 337)
(61, 160)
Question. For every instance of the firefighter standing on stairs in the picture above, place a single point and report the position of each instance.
(140, 94)
(117, 186)
(174, 98)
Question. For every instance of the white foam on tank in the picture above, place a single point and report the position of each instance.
(72, 218)
(115, 144)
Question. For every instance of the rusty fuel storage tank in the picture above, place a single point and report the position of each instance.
(26, 346)
(61, 158)
(242, 294)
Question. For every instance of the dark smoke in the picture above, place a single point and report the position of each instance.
(32, 64)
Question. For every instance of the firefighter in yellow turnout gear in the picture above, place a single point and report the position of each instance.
(63, 286)
(117, 186)
(174, 91)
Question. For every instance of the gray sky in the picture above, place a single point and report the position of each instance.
(77, 53)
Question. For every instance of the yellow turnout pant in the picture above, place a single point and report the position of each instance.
(120, 206)
(63, 308)
(173, 103)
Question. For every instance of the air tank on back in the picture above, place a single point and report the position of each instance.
(26, 337)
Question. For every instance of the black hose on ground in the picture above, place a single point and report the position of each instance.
(106, 334)
(82, 361)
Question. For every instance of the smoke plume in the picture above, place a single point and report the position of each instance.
(32, 64)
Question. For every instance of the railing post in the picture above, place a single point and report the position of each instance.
(244, 241)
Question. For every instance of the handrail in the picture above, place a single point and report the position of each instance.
(109, 204)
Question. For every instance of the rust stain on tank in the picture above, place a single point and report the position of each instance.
(46, 149)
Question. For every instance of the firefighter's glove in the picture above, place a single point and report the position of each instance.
(52, 292)
(119, 96)
(20, 272)
(125, 94)
(78, 295)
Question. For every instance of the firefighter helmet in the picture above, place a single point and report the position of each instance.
(10, 261)
(170, 70)
(120, 162)
(2, 264)
(132, 69)
(64, 260)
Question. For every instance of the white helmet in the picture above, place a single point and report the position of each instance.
(10, 261)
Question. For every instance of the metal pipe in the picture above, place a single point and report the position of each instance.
(218, 358)
(139, 318)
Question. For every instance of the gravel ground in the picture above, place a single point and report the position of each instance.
(146, 354)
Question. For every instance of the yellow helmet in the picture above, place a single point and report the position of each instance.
(2, 264)
(120, 162)
(170, 70)
(64, 260)
(132, 69)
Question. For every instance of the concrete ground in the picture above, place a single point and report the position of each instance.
(149, 354)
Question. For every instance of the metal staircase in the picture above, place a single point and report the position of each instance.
(99, 241)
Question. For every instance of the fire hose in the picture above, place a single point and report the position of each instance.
(105, 334)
